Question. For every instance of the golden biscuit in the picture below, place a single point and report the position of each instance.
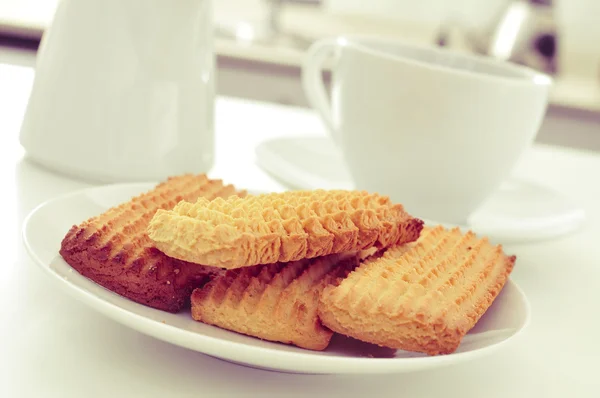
(424, 296)
(280, 227)
(114, 250)
(276, 302)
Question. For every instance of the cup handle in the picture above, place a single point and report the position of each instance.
(312, 80)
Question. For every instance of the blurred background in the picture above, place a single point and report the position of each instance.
(259, 44)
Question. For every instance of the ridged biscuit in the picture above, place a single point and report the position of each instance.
(280, 227)
(276, 302)
(114, 250)
(424, 296)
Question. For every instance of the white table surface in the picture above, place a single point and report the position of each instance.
(53, 346)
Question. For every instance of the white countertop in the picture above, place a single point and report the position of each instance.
(53, 346)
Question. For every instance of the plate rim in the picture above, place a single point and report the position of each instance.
(268, 161)
(239, 352)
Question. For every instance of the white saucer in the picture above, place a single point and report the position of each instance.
(520, 211)
(45, 227)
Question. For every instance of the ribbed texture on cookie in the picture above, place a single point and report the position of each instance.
(280, 227)
(276, 302)
(424, 296)
(114, 250)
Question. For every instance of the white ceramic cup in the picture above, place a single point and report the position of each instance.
(436, 130)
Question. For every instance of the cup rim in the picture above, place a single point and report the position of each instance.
(526, 75)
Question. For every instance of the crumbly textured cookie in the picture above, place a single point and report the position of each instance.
(280, 227)
(276, 302)
(114, 250)
(424, 296)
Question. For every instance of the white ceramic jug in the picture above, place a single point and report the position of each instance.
(124, 90)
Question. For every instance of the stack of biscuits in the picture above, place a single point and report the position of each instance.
(293, 267)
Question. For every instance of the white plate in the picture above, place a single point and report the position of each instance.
(520, 211)
(45, 227)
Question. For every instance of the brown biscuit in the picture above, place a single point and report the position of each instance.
(280, 227)
(114, 250)
(424, 296)
(276, 302)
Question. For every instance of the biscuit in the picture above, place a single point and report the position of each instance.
(114, 250)
(424, 296)
(280, 227)
(276, 302)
